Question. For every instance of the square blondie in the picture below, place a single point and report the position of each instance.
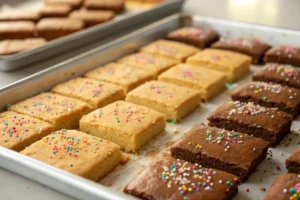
(174, 101)
(172, 49)
(150, 62)
(209, 82)
(234, 64)
(77, 152)
(126, 76)
(96, 93)
(124, 123)
(19, 131)
(61, 112)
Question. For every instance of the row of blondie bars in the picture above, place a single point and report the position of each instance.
(116, 124)
(24, 30)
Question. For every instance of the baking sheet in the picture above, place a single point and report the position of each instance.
(122, 23)
(114, 183)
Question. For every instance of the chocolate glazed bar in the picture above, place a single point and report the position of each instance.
(284, 98)
(229, 151)
(278, 73)
(269, 124)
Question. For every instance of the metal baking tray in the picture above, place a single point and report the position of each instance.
(125, 22)
(112, 185)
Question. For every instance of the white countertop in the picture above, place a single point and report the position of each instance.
(279, 13)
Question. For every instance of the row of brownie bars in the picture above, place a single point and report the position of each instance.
(20, 30)
(254, 47)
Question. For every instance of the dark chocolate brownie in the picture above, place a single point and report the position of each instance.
(269, 124)
(284, 54)
(293, 162)
(250, 46)
(196, 36)
(284, 98)
(229, 151)
(285, 187)
(278, 73)
(168, 178)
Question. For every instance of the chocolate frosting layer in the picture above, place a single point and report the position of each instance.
(171, 179)
(251, 115)
(230, 147)
(286, 54)
(270, 93)
(283, 74)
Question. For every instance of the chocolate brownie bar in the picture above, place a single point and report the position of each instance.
(284, 98)
(278, 73)
(293, 162)
(52, 28)
(285, 186)
(269, 124)
(167, 179)
(115, 5)
(8, 47)
(16, 30)
(229, 151)
(91, 18)
(19, 15)
(251, 46)
(284, 54)
(55, 10)
(197, 36)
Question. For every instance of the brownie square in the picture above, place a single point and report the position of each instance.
(91, 18)
(19, 15)
(197, 36)
(278, 73)
(269, 124)
(284, 54)
(116, 5)
(284, 187)
(284, 98)
(8, 47)
(293, 162)
(250, 46)
(73, 3)
(168, 178)
(233, 152)
(55, 10)
(16, 30)
(52, 28)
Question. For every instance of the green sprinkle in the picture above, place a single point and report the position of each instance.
(172, 121)
(71, 165)
(8, 105)
(228, 85)
(265, 98)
